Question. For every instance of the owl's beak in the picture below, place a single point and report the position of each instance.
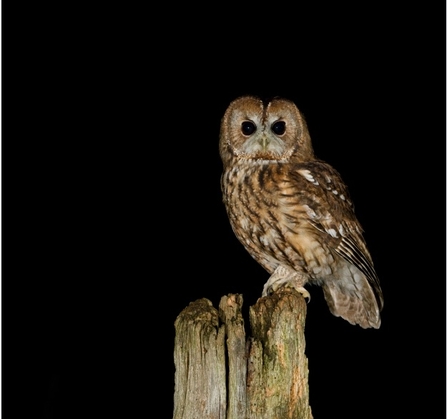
(264, 141)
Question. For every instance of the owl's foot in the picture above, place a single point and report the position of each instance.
(286, 277)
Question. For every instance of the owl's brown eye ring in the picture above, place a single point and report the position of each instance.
(248, 127)
(279, 127)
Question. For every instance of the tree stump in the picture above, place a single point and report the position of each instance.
(222, 375)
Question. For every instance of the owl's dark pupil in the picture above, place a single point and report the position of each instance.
(279, 127)
(248, 127)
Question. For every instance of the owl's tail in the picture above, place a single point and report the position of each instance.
(357, 306)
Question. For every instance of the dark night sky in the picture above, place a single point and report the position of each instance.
(112, 214)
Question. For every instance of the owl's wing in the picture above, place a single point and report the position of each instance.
(333, 215)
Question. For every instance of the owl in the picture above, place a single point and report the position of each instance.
(292, 212)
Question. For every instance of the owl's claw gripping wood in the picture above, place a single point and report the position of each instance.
(287, 278)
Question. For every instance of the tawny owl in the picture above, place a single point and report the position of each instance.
(292, 212)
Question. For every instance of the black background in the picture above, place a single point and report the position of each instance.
(112, 217)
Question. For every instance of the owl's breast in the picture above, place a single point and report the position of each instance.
(270, 220)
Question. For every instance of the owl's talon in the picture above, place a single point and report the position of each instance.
(283, 277)
(303, 292)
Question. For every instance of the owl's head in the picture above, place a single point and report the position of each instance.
(253, 129)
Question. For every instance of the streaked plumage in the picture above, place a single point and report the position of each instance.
(292, 212)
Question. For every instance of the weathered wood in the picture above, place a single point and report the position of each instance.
(277, 382)
(199, 358)
(267, 378)
(230, 313)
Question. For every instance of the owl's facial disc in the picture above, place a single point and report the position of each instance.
(263, 140)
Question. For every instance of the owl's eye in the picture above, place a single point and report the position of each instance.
(279, 127)
(248, 128)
